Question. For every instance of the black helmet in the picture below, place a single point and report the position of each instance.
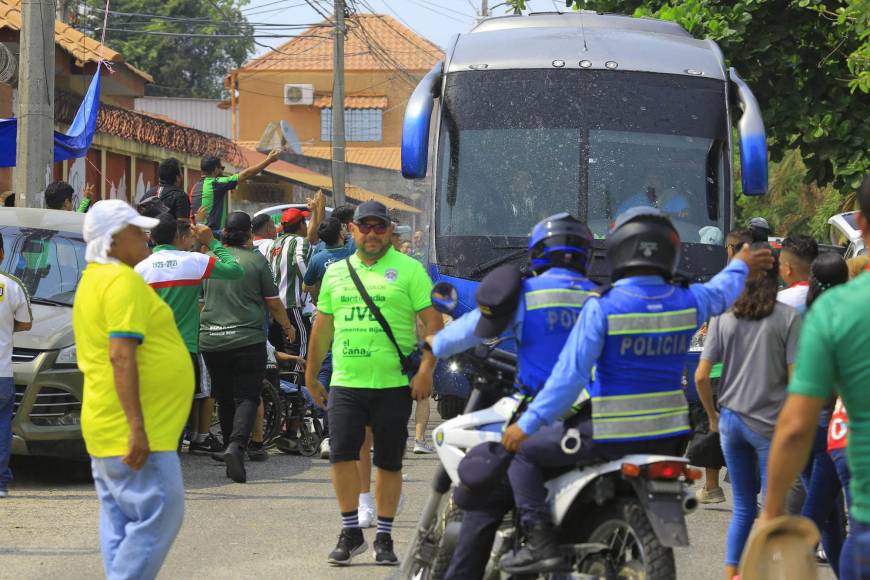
(560, 240)
(643, 237)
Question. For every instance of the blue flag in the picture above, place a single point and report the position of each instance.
(70, 145)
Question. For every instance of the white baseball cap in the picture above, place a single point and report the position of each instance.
(105, 219)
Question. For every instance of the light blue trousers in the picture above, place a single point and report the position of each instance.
(140, 513)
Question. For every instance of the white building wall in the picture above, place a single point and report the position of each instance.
(202, 114)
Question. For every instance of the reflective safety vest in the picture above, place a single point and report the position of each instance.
(552, 305)
(637, 391)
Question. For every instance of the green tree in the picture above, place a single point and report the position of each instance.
(189, 65)
(807, 61)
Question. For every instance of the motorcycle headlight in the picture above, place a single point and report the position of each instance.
(66, 358)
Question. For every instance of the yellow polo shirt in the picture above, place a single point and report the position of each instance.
(112, 300)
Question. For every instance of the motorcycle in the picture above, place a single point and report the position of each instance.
(619, 519)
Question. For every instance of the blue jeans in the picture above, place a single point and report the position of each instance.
(7, 400)
(822, 505)
(841, 464)
(140, 513)
(744, 450)
(855, 557)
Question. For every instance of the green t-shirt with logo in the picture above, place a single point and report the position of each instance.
(833, 358)
(234, 314)
(362, 355)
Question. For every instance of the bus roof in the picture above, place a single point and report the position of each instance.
(539, 40)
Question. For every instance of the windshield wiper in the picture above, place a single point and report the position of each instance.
(48, 301)
(495, 262)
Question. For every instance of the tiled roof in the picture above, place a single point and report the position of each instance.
(79, 45)
(374, 42)
(252, 157)
(383, 157)
(352, 102)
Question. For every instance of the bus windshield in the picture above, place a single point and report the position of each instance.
(49, 263)
(518, 145)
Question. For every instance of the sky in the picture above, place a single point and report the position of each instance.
(436, 20)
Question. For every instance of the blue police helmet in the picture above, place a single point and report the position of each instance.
(560, 240)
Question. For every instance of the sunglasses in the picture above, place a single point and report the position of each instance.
(379, 229)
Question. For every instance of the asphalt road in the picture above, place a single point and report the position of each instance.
(281, 524)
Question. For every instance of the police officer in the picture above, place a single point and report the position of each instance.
(541, 311)
(637, 335)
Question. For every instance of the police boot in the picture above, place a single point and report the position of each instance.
(539, 555)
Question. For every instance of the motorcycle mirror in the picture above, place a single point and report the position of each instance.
(445, 298)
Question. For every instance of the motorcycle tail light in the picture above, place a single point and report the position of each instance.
(630, 470)
(665, 470)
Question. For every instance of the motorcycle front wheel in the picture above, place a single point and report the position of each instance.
(634, 549)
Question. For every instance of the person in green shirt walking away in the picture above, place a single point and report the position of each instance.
(176, 274)
(138, 385)
(232, 338)
(212, 191)
(369, 381)
(832, 359)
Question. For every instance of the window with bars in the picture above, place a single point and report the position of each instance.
(359, 124)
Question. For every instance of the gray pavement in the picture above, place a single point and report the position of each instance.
(281, 524)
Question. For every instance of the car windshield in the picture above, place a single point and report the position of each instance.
(49, 263)
(519, 145)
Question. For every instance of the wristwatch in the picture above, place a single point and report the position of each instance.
(424, 345)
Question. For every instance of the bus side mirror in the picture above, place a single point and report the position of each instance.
(753, 146)
(415, 127)
(445, 298)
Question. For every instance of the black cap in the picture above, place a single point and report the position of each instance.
(372, 209)
(497, 298)
(238, 221)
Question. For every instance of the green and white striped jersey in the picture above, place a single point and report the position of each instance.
(289, 261)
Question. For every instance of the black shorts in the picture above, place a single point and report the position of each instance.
(386, 410)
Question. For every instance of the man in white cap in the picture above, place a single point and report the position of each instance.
(132, 416)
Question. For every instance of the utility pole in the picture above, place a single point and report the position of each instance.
(338, 167)
(484, 8)
(35, 145)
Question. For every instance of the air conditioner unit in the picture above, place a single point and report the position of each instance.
(298, 94)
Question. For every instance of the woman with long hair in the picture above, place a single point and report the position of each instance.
(756, 342)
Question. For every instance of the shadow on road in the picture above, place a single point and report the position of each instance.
(36, 472)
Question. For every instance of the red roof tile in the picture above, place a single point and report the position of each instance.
(374, 42)
(78, 44)
(352, 102)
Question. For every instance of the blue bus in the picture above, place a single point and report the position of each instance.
(530, 115)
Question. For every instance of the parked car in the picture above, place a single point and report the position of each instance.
(275, 211)
(845, 232)
(45, 250)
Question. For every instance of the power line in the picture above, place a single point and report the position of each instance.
(191, 35)
(434, 11)
(271, 4)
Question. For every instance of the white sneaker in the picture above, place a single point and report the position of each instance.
(324, 449)
(366, 514)
(421, 447)
(3, 492)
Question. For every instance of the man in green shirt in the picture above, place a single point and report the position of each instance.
(832, 359)
(176, 274)
(212, 190)
(232, 338)
(369, 386)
